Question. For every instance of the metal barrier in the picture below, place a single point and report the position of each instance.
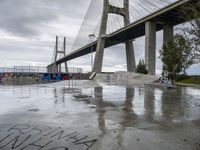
(35, 69)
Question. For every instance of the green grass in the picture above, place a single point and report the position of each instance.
(191, 80)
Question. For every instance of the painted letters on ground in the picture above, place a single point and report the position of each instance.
(26, 137)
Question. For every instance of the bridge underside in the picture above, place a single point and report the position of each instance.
(171, 15)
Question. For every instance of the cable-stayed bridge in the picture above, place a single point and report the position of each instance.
(122, 21)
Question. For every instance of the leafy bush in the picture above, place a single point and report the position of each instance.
(141, 67)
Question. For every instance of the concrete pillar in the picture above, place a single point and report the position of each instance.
(64, 46)
(54, 68)
(98, 61)
(130, 55)
(56, 49)
(66, 67)
(150, 47)
(59, 68)
(49, 69)
(168, 34)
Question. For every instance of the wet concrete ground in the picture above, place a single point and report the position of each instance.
(106, 117)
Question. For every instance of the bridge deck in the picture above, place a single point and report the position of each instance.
(172, 14)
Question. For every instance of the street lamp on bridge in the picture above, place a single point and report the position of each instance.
(92, 37)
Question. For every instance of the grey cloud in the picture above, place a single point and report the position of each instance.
(21, 17)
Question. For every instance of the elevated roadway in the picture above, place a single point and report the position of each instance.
(170, 15)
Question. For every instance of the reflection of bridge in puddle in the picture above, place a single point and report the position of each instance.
(139, 108)
(28, 91)
(128, 106)
(138, 104)
(59, 94)
(119, 114)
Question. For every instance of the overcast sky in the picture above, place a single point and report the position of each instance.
(28, 29)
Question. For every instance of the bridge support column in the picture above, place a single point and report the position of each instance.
(59, 68)
(48, 69)
(66, 67)
(64, 47)
(55, 68)
(101, 40)
(130, 55)
(51, 69)
(150, 46)
(168, 34)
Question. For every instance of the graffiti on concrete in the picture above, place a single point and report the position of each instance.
(38, 76)
(25, 137)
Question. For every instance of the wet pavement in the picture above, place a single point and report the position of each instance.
(106, 117)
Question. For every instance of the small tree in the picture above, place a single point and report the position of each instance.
(192, 32)
(141, 67)
(177, 56)
(184, 50)
(170, 58)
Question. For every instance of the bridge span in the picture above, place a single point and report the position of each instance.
(164, 19)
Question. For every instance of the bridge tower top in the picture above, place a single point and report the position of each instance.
(130, 56)
(108, 8)
(57, 68)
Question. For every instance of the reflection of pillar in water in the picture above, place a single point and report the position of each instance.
(149, 104)
(69, 83)
(55, 96)
(59, 97)
(129, 98)
(13, 89)
(98, 92)
(29, 91)
(129, 116)
(45, 91)
(171, 105)
(63, 97)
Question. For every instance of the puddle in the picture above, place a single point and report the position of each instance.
(107, 117)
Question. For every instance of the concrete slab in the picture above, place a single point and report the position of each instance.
(88, 115)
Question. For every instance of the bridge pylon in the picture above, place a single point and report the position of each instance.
(130, 56)
(57, 68)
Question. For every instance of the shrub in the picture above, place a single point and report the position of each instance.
(141, 67)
